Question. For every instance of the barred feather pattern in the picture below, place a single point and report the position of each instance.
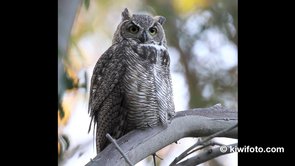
(148, 86)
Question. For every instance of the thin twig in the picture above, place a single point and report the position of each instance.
(202, 147)
(158, 156)
(207, 155)
(154, 158)
(211, 143)
(217, 143)
(185, 153)
(118, 148)
(218, 133)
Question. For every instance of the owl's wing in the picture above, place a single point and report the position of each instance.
(105, 101)
(107, 74)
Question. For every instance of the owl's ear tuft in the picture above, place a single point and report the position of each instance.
(126, 15)
(160, 19)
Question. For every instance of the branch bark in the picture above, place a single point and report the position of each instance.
(206, 156)
(139, 144)
(200, 143)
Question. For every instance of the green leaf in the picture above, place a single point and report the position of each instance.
(87, 3)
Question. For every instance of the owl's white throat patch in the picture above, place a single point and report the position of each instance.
(158, 47)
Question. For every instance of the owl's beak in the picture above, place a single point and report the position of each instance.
(144, 37)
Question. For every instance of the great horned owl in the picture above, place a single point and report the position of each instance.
(131, 83)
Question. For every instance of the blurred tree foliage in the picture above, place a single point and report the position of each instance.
(218, 15)
(67, 79)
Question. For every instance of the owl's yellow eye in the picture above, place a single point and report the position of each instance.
(133, 29)
(153, 30)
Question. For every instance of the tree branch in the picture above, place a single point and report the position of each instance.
(206, 156)
(138, 144)
(118, 148)
(201, 142)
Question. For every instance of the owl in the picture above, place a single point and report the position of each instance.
(131, 83)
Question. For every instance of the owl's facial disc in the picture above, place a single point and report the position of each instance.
(141, 29)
